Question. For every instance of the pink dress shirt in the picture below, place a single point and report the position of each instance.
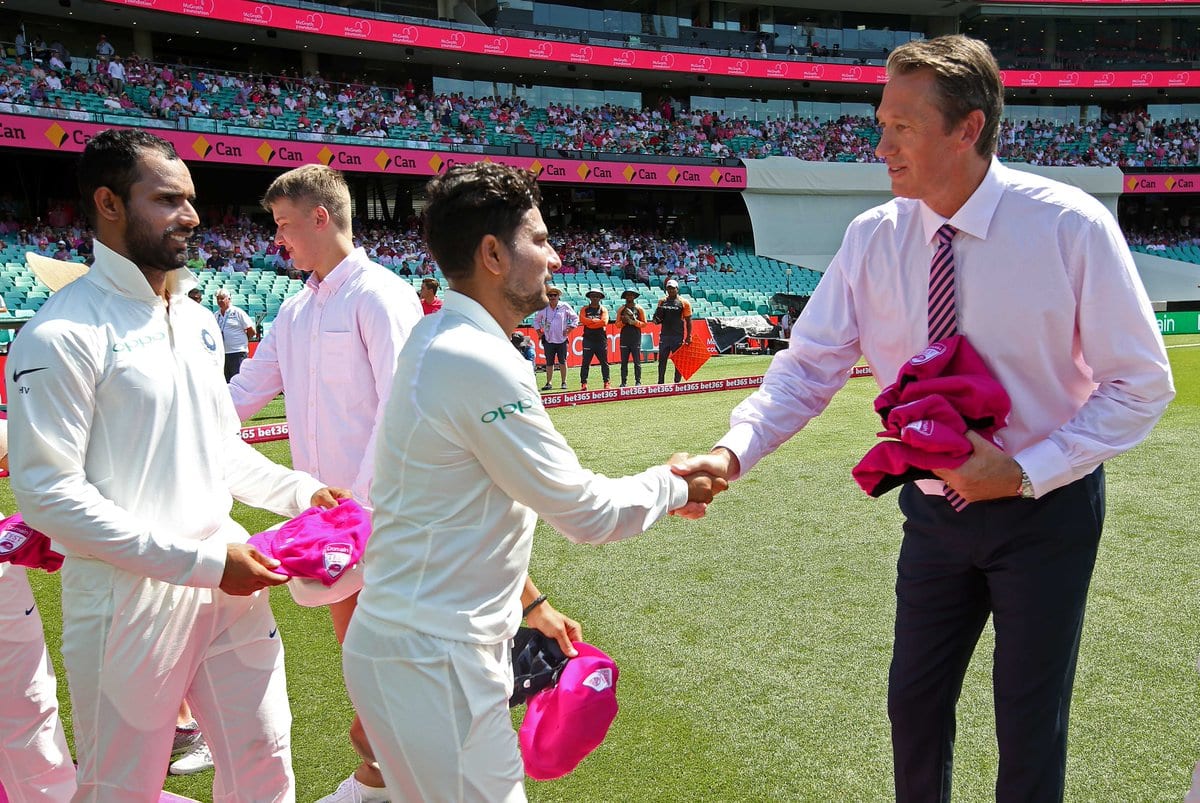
(332, 350)
(1048, 294)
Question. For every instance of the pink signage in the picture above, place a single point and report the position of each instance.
(1162, 182)
(402, 33)
(1113, 2)
(46, 133)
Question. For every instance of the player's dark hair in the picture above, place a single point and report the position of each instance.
(469, 202)
(112, 159)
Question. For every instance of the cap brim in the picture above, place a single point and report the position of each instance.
(54, 273)
(314, 594)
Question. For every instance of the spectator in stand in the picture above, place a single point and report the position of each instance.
(554, 323)
(236, 330)
(632, 318)
(216, 262)
(104, 48)
(116, 75)
(674, 314)
(594, 317)
(429, 295)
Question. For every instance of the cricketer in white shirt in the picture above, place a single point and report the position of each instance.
(466, 462)
(125, 448)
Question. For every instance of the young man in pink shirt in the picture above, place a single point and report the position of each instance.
(332, 350)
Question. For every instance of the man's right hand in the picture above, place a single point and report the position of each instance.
(704, 472)
(247, 570)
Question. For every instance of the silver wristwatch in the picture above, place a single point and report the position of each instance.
(1026, 491)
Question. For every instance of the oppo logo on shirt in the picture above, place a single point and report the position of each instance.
(133, 344)
(505, 410)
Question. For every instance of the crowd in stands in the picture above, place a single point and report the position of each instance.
(1171, 234)
(642, 256)
(233, 244)
(313, 106)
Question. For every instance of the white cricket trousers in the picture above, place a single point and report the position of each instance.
(135, 647)
(435, 712)
(35, 765)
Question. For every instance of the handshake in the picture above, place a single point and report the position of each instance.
(706, 475)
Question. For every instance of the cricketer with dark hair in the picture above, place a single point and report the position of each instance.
(125, 446)
(466, 462)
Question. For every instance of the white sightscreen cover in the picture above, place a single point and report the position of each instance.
(799, 210)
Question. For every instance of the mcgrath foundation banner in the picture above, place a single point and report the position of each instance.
(50, 133)
(409, 35)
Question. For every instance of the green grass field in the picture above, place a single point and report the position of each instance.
(754, 644)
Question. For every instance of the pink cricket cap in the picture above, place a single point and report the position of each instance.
(565, 722)
(22, 545)
(320, 543)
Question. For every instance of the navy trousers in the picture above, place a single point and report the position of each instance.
(1027, 563)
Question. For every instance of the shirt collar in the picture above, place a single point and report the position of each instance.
(350, 266)
(473, 311)
(975, 216)
(115, 273)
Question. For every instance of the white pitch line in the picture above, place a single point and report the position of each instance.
(1185, 346)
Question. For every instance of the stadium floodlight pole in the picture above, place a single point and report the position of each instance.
(788, 272)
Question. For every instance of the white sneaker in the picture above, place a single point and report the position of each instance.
(352, 790)
(186, 737)
(198, 759)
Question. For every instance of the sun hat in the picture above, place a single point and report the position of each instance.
(567, 721)
(594, 292)
(630, 294)
(671, 283)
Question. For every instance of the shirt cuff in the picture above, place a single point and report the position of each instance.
(1046, 466)
(210, 563)
(306, 488)
(678, 488)
(739, 440)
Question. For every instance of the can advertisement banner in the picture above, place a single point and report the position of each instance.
(1136, 183)
(70, 136)
(489, 44)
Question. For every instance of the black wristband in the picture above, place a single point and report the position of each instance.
(540, 599)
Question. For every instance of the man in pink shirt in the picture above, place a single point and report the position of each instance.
(332, 349)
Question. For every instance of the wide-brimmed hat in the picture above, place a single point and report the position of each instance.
(594, 292)
(671, 283)
(630, 294)
(54, 273)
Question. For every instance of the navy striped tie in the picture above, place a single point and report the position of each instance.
(943, 318)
